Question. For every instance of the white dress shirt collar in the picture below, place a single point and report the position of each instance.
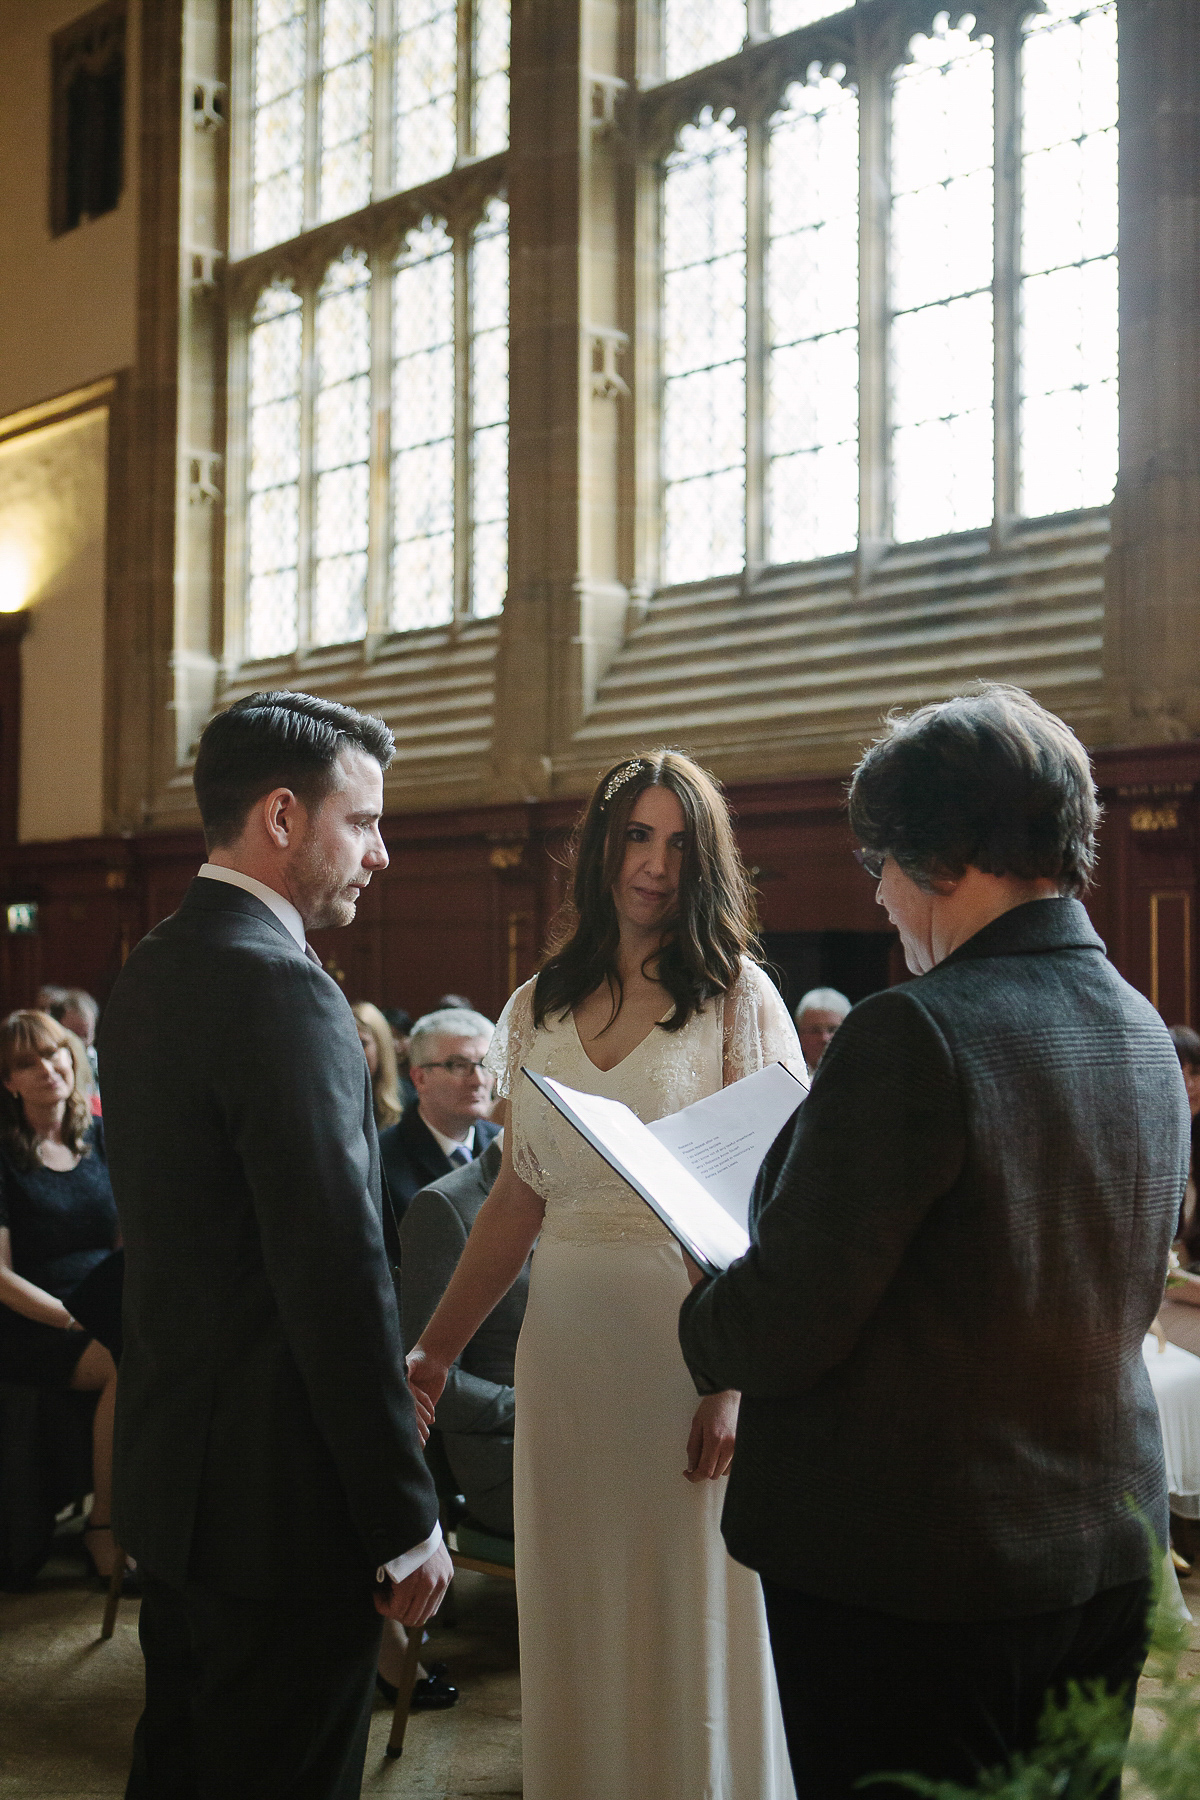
(283, 909)
(447, 1145)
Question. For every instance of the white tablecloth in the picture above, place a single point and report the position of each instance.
(1175, 1378)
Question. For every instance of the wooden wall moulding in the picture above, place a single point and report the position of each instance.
(471, 893)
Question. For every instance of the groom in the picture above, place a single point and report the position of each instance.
(957, 1247)
(269, 1474)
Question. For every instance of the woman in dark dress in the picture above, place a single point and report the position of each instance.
(58, 1222)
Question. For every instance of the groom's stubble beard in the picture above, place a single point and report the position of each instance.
(318, 886)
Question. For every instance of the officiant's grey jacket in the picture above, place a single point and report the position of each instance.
(957, 1247)
(265, 1437)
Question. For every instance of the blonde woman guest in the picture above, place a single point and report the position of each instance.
(375, 1036)
(58, 1222)
(645, 1664)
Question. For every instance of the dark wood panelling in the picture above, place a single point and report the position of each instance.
(469, 897)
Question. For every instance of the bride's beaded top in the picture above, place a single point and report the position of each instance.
(739, 1032)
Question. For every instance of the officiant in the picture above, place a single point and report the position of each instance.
(946, 1421)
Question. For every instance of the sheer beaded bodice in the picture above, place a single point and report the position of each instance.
(586, 1202)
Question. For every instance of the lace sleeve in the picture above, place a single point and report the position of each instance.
(511, 1041)
(758, 1029)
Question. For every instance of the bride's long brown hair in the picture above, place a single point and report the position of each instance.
(713, 926)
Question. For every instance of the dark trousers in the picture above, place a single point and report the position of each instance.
(865, 1693)
(253, 1699)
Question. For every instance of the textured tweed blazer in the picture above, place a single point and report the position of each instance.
(957, 1247)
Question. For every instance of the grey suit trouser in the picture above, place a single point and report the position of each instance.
(253, 1699)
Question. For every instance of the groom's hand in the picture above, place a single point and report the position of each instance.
(414, 1600)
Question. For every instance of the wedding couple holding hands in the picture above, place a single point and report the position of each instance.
(854, 1505)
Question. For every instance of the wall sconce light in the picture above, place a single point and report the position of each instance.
(15, 576)
(22, 918)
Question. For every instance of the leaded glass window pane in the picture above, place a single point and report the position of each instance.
(699, 32)
(787, 15)
(426, 64)
(347, 40)
(423, 432)
(273, 499)
(341, 448)
(1068, 428)
(704, 353)
(280, 56)
(491, 75)
(812, 310)
(942, 257)
(489, 410)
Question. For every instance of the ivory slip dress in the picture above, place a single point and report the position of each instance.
(645, 1664)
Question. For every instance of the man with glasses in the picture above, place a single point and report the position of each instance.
(447, 1126)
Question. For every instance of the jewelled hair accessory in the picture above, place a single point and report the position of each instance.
(621, 777)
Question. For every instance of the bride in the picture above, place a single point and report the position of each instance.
(645, 1665)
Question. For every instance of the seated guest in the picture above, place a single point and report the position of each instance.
(400, 1024)
(1187, 1049)
(77, 1010)
(475, 1412)
(448, 1124)
(817, 1018)
(58, 1224)
(375, 1036)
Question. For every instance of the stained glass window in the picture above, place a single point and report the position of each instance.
(341, 449)
(1068, 425)
(347, 63)
(489, 412)
(699, 32)
(942, 258)
(273, 499)
(812, 311)
(423, 432)
(280, 62)
(704, 353)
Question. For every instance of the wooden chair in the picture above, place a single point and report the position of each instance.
(116, 1579)
(462, 1559)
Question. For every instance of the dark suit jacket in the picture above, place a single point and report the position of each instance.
(265, 1435)
(412, 1156)
(957, 1247)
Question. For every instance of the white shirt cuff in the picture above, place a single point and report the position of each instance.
(402, 1566)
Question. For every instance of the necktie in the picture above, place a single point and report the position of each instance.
(460, 1156)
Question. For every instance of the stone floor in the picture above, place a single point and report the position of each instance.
(68, 1703)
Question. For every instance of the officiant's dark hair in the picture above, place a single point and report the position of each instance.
(989, 779)
(265, 741)
(713, 928)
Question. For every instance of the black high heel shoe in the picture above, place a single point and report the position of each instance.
(431, 1692)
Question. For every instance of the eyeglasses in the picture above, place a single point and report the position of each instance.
(872, 861)
(455, 1065)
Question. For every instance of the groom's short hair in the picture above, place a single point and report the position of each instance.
(989, 779)
(271, 740)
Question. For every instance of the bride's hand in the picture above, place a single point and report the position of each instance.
(426, 1379)
(711, 1439)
